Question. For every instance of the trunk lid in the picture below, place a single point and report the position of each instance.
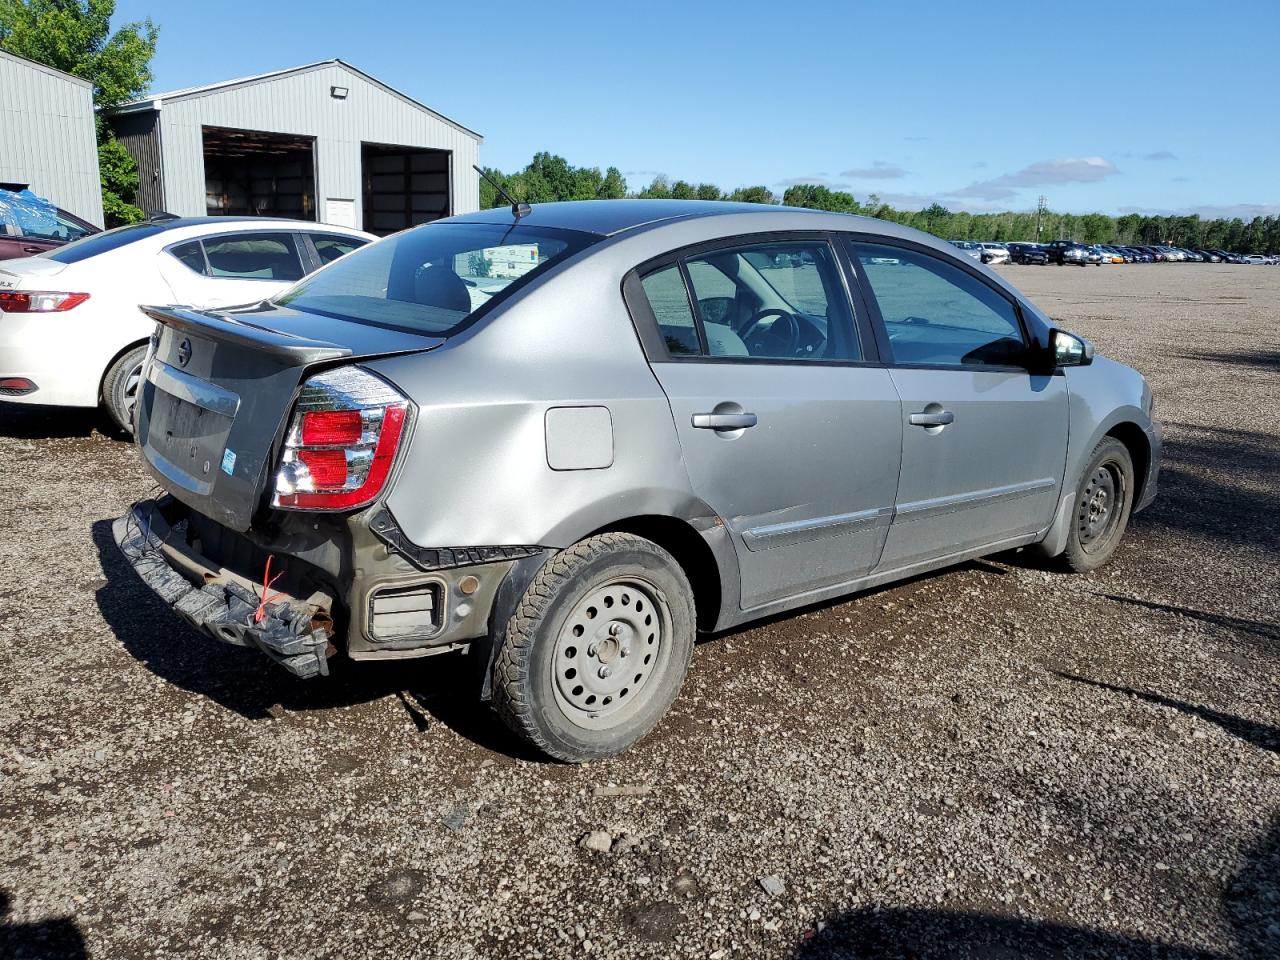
(14, 272)
(218, 389)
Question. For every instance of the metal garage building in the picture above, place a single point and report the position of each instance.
(47, 136)
(322, 142)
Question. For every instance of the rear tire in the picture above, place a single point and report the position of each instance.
(597, 650)
(1104, 501)
(121, 385)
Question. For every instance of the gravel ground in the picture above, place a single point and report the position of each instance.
(997, 760)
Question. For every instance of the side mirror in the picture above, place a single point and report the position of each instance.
(1070, 350)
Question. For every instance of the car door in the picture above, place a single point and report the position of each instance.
(786, 429)
(984, 440)
(227, 269)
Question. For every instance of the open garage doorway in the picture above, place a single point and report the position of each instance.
(252, 173)
(403, 186)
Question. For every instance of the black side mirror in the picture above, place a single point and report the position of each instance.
(1070, 350)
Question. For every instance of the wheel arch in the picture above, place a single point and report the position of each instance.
(1136, 442)
(102, 378)
(691, 551)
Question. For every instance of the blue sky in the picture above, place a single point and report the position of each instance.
(1164, 106)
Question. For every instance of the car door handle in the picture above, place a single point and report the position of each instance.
(33, 249)
(724, 421)
(940, 419)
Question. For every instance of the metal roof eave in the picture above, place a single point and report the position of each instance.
(155, 101)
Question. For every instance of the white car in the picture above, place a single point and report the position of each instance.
(994, 253)
(71, 333)
(1259, 259)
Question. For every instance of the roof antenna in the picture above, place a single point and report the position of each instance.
(518, 210)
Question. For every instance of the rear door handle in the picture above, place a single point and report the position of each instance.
(33, 249)
(724, 421)
(932, 419)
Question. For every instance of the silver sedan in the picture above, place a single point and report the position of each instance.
(565, 440)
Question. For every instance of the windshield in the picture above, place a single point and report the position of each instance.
(433, 279)
(97, 243)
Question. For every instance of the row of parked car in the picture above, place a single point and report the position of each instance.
(1070, 252)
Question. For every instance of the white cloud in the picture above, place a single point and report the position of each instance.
(879, 170)
(1040, 174)
(1212, 211)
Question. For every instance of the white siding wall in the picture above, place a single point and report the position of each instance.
(301, 104)
(47, 136)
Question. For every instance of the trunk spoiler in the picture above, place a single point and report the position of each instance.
(234, 329)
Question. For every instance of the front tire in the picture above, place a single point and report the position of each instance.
(597, 650)
(1104, 501)
(121, 385)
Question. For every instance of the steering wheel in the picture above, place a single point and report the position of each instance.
(758, 340)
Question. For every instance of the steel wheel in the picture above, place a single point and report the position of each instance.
(613, 640)
(1099, 508)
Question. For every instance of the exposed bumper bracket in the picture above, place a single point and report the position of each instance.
(225, 610)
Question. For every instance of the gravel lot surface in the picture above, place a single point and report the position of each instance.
(998, 760)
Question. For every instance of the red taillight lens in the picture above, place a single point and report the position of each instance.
(339, 453)
(331, 427)
(35, 301)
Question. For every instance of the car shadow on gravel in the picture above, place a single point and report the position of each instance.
(1248, 911)
(24, 422)
(1261, 359)
(1218, 484)
(443, 689)
(58, 939)
(1260, 735)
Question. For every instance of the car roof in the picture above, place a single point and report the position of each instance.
(177, 223)
(608, 217)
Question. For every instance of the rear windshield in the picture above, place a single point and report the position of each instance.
(97, 243)
(433, 279)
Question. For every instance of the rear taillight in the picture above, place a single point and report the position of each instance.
(341, 442)
(37, 301)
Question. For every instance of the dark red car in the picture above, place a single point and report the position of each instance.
(26, 237)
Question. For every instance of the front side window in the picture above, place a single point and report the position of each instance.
(936, 313)
(435, 278)
(253, 256)
(771, 301)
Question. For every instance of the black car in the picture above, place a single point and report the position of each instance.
(1027, 253)
(1068, 251)
(1209, 256)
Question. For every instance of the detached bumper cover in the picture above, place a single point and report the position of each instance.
(223, 608)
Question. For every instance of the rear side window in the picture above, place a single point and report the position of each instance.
(190, 254)
(669, 301)
(936, 313)
(253, 256)
(331, 246)
(104, 242)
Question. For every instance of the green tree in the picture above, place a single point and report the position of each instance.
(75, 36)
(752, 195)
(817, 197)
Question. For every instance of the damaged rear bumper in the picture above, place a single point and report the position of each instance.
(295, 633)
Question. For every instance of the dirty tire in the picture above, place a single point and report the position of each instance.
(529, 689)
(1104, 500)
(120, 387)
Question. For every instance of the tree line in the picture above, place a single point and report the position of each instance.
(549, 177)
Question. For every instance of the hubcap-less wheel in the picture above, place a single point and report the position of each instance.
(613, 640)
(1098, 511)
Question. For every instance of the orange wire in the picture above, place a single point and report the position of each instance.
(267, 581)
